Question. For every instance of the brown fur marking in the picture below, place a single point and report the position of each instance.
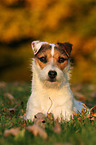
(47, 52)
(56, 56)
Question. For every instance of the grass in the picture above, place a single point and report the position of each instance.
(73, 132)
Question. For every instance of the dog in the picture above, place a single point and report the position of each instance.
(50, 83)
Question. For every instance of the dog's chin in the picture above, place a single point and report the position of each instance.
(52, 80)
(51, 83)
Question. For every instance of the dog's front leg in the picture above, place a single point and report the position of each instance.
(32, 109)
(62, 114)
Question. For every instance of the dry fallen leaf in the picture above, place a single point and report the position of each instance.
(91, 115)
(92, 111)
(12, 131)
(12, 110)
(80, 96)
(40, 123)
(93, 108)
(94, 114)
(84, 110)
(10, 97)
(36, 130)
(93, 95)
(76, 87)
(2, 84)
(74, 113)
(39, 119)
(39, 115)
(92, 118)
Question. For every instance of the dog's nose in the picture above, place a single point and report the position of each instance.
(52, 74)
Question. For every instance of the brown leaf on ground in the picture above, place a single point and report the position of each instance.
(93, 95)
(10, 97)
(93, 111)
(94, 114)
(40, 123)
(36, 130)
(84, 110)
(39, 115)
(74, 113)
(76, 87)
(57, 128)
(92, 118)
(2, 84)
(12, 110)
(12, 131)
(80, 96)
(91, 115)
(39, 119)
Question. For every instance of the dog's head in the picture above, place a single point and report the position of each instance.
(52, 62)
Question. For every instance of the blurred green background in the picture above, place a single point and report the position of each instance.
(22, 21)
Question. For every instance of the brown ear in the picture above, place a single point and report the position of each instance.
(67, 48)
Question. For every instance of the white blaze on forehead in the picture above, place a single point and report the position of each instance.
(52, 50)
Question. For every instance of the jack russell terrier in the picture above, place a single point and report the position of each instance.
(50, 87)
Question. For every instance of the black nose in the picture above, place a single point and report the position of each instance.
(52, 74)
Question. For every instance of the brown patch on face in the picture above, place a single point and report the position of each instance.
(60, 56)
(44, 56)
(65, 47)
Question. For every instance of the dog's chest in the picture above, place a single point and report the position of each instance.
(51, 99)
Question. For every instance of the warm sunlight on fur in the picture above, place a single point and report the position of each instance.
(50, 81)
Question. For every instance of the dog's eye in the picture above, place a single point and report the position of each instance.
(43, 59)
(61, 59)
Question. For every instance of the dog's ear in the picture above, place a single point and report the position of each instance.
(67, 47)
(36, 46)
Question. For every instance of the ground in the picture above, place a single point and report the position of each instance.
(13, 99)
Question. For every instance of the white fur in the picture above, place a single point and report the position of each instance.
(52, 50)
(55, 97)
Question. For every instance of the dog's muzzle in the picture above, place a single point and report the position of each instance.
(52, 75)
